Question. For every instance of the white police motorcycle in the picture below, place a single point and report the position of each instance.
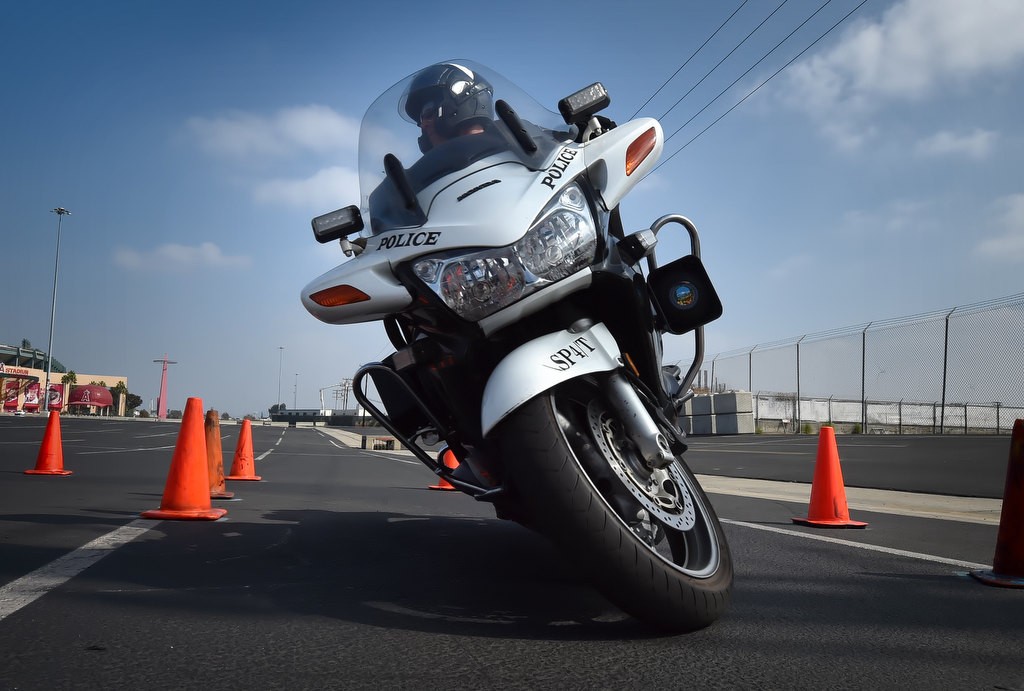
(527, 325)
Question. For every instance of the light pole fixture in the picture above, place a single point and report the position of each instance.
(295, 392)
(61, 213)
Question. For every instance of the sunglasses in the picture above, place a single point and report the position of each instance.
(429, 111)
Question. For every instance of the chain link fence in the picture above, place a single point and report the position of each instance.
(959, 370)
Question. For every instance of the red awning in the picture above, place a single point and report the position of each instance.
(90, 395)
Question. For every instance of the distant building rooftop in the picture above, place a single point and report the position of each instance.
(32, 358)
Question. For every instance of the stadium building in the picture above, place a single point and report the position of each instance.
(23, 376)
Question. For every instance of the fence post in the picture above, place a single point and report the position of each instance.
(900, 423)
(945, 366)
(997, 418)
(863, 378)
(796, 416)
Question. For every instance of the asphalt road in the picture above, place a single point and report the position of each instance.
(957, 465)
(342, 570)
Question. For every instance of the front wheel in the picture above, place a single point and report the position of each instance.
(647, 538)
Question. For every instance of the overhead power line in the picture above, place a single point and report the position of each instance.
(751, 68)
(719, 64)
(680, 68)
(756, 88)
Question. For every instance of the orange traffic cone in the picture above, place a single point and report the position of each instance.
(828, 495)
(50, 460)
(215, 458)
(243, 467)
(448, 458)
(1008, 563)
(187, 492)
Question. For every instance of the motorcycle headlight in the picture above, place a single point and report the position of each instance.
(474, 285)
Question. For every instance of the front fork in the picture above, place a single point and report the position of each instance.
(639, 426)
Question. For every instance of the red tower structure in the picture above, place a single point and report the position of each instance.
(161, 401)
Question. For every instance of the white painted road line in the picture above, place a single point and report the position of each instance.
(35, 442)
(32, 586)
(106, 451)
(377, 454)
(859, 545)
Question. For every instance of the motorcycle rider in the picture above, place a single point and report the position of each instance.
(447, 101)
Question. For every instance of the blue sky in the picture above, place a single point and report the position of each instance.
(878, 175)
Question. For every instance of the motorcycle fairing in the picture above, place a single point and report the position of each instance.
(606, 158)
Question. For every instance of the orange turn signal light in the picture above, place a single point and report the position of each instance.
(335, 296)
(641, 147)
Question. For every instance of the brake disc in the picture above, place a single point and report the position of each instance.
(662, 492)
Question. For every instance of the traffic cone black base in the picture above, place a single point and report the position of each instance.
(1008, 564)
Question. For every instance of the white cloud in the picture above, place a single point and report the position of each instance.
(312, 128)
(899, 216)
(977, 145)
(326, 189)
(306, 132)
(177, 258)
(1008, 247)
(915, 49)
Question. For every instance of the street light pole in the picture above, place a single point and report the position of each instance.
(295, 392)
(61, 213)
(280, 359)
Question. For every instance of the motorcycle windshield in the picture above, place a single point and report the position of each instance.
(440, 123)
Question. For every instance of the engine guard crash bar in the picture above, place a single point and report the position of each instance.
(698, 333)
(438, 468)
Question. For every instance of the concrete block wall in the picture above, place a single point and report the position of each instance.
(723, 413)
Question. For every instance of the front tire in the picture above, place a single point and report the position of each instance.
(663, 560)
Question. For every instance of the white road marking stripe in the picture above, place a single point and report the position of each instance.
(364, 452)
(36, 442)
(751, 452)
(390, 458)
(264, 455)
(326, 454)
(34, 585)
(858, 545)
(150, 448)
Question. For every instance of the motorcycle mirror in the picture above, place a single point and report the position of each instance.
(578, 108)
(337, 224)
